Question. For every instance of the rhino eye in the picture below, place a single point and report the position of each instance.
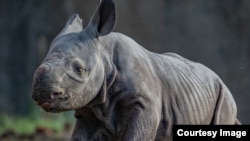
(79, 70)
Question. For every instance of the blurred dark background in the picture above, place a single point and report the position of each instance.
(215, 33)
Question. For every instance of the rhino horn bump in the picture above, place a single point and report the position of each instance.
(73, 25)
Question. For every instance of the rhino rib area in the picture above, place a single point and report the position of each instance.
(192, 99)
(195, 98)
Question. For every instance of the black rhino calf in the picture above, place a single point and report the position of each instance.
(122, 92)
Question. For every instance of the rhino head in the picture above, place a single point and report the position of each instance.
(73, 72)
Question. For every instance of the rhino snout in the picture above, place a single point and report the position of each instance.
(45, 85)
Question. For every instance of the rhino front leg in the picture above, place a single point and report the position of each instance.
(89, 128)
(139, 125)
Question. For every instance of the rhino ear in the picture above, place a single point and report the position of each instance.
(73, 24)
(103, 20)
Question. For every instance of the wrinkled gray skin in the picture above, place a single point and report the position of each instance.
(121, 91)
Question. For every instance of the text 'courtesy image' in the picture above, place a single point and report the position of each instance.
(233, 132)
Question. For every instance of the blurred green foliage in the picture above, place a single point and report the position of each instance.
(25, 125)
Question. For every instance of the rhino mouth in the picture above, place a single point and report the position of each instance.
(46, 103)
(53, 106)
(51, 102)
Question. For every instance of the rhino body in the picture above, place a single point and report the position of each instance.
(151, 92)
(122, 92)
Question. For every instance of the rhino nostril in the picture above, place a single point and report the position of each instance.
(55, 95)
